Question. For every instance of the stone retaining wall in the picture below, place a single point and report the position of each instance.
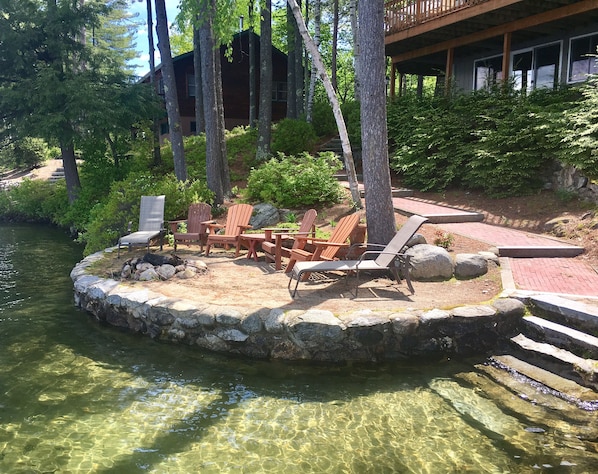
(362, 335)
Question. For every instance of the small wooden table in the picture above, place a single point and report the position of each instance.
(251, 241)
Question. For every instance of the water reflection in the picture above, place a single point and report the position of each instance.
(78, 397)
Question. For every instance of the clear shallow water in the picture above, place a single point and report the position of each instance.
(77, 397)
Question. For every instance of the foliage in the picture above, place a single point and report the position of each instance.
(351, 114)
(35, 201)
(109, 219)
(323, 119)
(27, 152)
(296, 181)
(499, 140)
(291, 137)
(580, 138)
(444, 239)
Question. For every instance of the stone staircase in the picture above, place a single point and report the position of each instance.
(57, 175)
(555, 355)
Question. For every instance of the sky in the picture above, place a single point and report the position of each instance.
(139, 8)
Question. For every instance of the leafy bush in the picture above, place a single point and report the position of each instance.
(580, 137)
(289, 181)
(35, 201)
(108, 219)
(323, 119)
(351, 113)
(292, 137)
(25, 153)
(499, 141)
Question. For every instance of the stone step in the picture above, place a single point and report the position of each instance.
(558, 386)
(533, 407)
(541, 251)
(575, 341)
(560, 361)
(583, 316)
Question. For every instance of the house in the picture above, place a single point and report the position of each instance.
(235, 84)
(474, 43)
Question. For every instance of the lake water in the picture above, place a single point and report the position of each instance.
(76, 397)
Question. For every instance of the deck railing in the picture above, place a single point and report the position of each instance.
(403, 14)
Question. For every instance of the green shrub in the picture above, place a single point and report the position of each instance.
(351, 113)
(323, 119)
(289, 181)
(292, 137)
(108, 220)
(499, 141)
(33, 201)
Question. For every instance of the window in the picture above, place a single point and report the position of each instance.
(193, 126)
(582, 58)
(523, 72)
(279, 91)
(161, 86)
(164, 129)
(190, 85)
(547, 66)
(487, 72)
(532, 68)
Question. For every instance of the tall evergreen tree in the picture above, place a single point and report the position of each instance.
(374, 138)
(265, 110)
(53, 84)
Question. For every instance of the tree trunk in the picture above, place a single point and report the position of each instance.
(291, 71)
(71, 174)
(298, 65)
(336, 109)
(224, 169)
(265, 111)
(252, 81)
(333, 66)
(213, 148)
(380, 215)
(200, 123)
(152, 64)
(356, 55)
(172, 105)
(314, 70)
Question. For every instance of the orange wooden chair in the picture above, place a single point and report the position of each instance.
(198, 217)
(325, 249)
(274, 250)
(237, 221)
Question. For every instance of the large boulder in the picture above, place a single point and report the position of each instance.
(470, 265)
(429, 262)
(264, 215)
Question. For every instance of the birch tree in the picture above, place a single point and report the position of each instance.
(332, 97)
(314, 70)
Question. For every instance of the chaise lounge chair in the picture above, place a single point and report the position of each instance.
(274, 251)
(237, 221)
(151, 224)
(198, 217)
(389, 258)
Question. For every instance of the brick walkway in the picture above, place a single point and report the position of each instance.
(568, 276)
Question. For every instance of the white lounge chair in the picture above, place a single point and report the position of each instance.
(151, 224)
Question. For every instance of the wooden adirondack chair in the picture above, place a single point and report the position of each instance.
(237, 221)
(198, 217)
(325, 249)
(274, 250)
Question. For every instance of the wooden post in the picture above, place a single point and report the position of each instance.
(448, 75)
(393, 78)
(506, 58)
